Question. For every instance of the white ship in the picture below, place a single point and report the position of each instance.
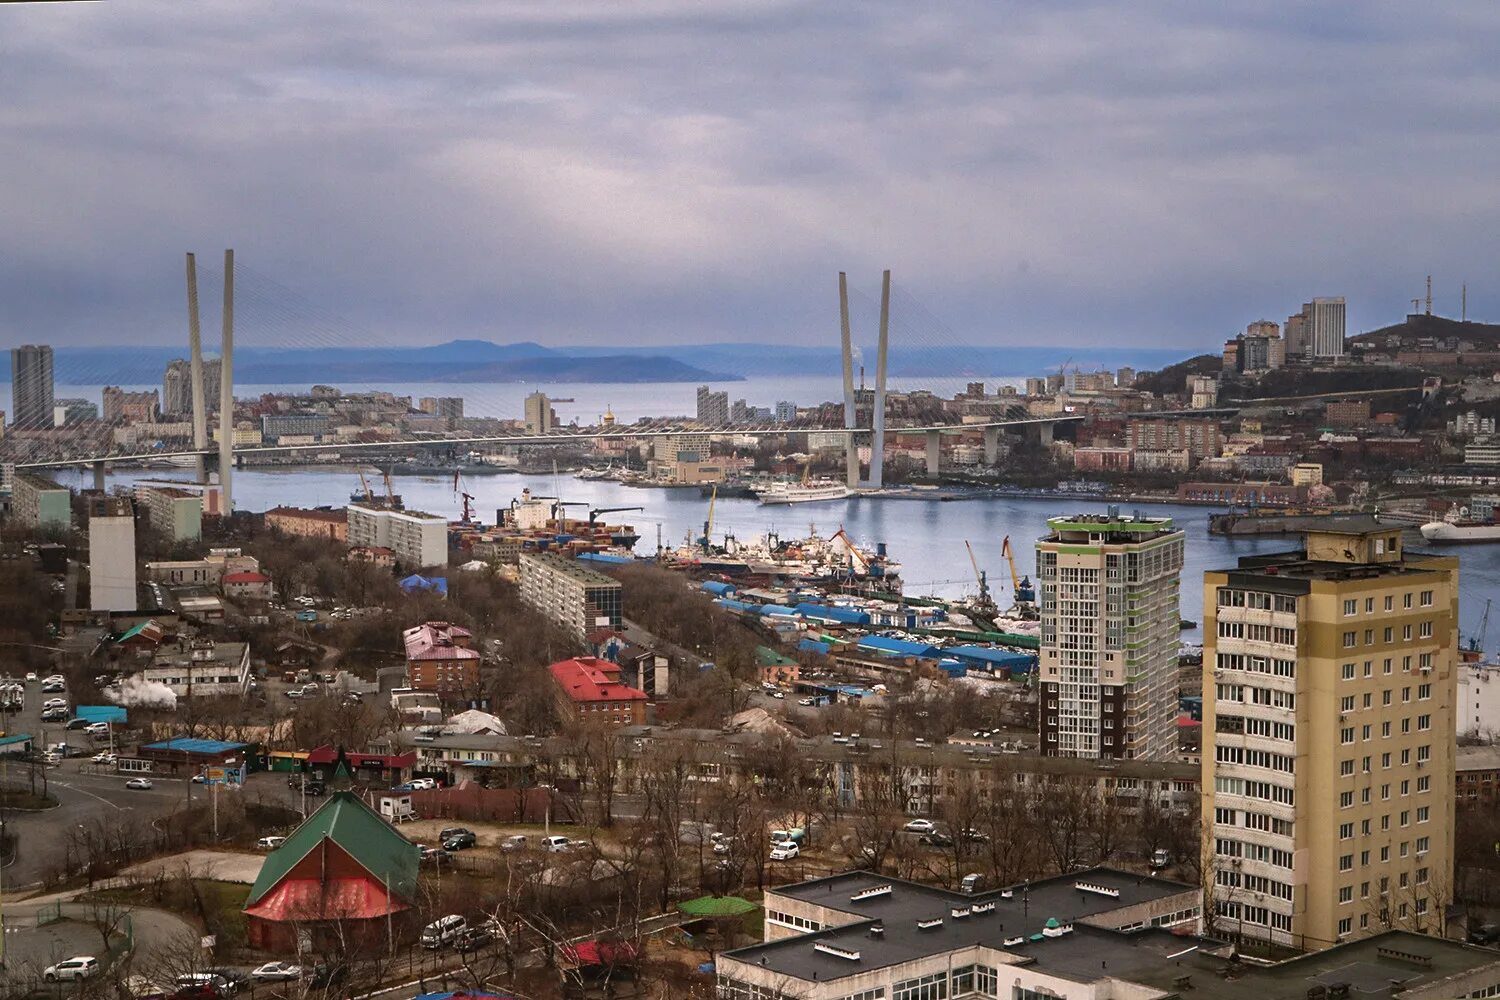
(816, 491)
(1461, 527)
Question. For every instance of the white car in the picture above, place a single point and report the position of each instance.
(105, 757)
(31, 675)
(423, 784)
(270, 844)
(78, 967)
(139, 784)
(97, 729)
(54, 679)
(920, 826)
(805, 702)
(276, 972)
(785, 851)
(721, 847)
(55, 703)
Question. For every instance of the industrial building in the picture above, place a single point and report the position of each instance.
(572, 595)
(199, 668)
(1328, 737)
(39, 502)
(1110, 626)
(112, 555)
(418, 540)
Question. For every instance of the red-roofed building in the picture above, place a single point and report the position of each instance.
(438, 658)
(594, 687)
(253, 586)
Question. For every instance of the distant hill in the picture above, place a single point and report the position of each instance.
(1173, 378)
(1482, 335)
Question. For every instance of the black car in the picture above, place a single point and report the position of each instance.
(79, 723)
(235, 979)
(435, 855)
(314, 786)
(936, 840)
(473, 939)
(454, 831)
(459, 841)
(54, 714)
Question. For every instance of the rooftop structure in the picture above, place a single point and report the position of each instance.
(572, 595)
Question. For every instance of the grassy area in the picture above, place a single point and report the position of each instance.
(22, 798)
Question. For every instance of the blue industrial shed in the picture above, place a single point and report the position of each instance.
(899, 647)
(832, 613)
(987, 658)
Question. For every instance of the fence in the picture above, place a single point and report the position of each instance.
(504, 805)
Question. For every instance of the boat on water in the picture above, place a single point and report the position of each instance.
(814, 491)
(1466, 525)
(835, 563)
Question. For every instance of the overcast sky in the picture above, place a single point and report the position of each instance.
(673, 171)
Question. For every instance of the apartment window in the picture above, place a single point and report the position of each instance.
(1385, 696)
(1405, 757)
(1406, 632)
(1346, 925)
(1346, 863)
(1346, 735)
(1424, 691)
(1364, 890)
(1405, 788)
(1421, 876)
(1349, 644)
(1387, 666)
(1424, 754)
(1349, 607)
(1346, 703)
(1385, 823)
(1385, 855)
(1364, 856)
(1348, 668)
(1424, 784)
(1346, 831)
(1369, 666)
(1426, 598)
(1405, 820)
(1385, 730)
(1346, 800)
(1390, 602)
(933, 987)
(1346, 894)
(1385, 760)
(1406, 600)
(1364, 732)
(1385, 791)
(1365, 764)
(1422, 845)
(1369, 605)
(1346, 768)
(1389, 636)
(1369, 640)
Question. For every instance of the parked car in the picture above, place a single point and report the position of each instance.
(460, 841)
(78, 723)
(453, 831)
(276, 972)
(105, 757)
(443, 931)
(139, 784)
(54, 714)
(270, 843)
(435, 855)
(936, 840)
(55, 703)
(515, 842)
(423, 784)
(472, 939)
(806, 702)
(556, 844)
(31, 675)
(1160, 857)
(77, 967)
(324, 974)
(785, 851)
(920, 826)
(97, 729)
(234, 978)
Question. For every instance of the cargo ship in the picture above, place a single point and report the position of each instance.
(1470, 525)
(835, 563)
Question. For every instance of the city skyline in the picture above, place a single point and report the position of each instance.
(559, 175)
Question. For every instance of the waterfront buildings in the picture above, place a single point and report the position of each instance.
(785, 412)
(540, 417)
(713, 407)
(175, 512)
(1328, 737)
(1201, 438)
(121, 406)
(112, 555)
(274, 427)
(418, 540)
(1108, 664)
(67, 412)
(596, 693)
(177, 386)
(31, 386)
(318, 523)
(439, 658)
(450, 407)
(39, 502)
(572, 595)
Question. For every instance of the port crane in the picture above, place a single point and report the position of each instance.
(364, 484)
(984, 583)
(594, 512)
(1024, 592)
(1476, 644)
(708, 523)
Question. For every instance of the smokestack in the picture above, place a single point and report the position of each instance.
(851, 453)
(877, 444)
(226, 392)
(195, 352)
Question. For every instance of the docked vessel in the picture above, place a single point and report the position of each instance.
(1465, 525)
(834, 563)
(815, 491)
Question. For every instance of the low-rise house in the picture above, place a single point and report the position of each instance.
(597, 694)
(247, 586)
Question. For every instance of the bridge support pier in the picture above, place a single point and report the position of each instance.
(934, 453)
(1044, 434)
(98, 468)
(991, 446)
(851, 459)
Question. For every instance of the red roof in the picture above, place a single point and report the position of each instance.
(331, 899)
(247, 577)
(598, 952)
(587, 679)
(438, 641)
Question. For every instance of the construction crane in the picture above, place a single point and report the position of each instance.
(984, 584)
(390, 491)
(1025, 593)
(364, 484)
(468, 499)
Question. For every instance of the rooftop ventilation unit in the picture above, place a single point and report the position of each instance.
(959, 912)
(871, 893)
(982, 907)
(1102, 890)
(836, 951)
(929, 923)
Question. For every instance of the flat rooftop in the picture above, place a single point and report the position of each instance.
(1017, 912)
(570, 567)
(1297, 571)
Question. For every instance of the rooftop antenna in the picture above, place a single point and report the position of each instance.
(1463, 313)
(1429, 295)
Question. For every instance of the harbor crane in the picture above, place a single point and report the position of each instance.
(364, 484)
(1024, 592)
(594, 512)
(1476, 644)
(984, 584)
(708, 523)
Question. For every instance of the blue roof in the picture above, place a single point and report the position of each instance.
(779, 610)
(603, 557)
(994, 658)
(14, 738)
(187, 744)
(100, 713)
(899, 647)
(812, 646)
(729, 604)
(437, 584)
(847, 616)
(719, 587)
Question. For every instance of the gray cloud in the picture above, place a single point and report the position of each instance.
(674, 171)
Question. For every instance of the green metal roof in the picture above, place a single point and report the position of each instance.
(717, 906)
(135, 629)
(765, 656)
(346, 820)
